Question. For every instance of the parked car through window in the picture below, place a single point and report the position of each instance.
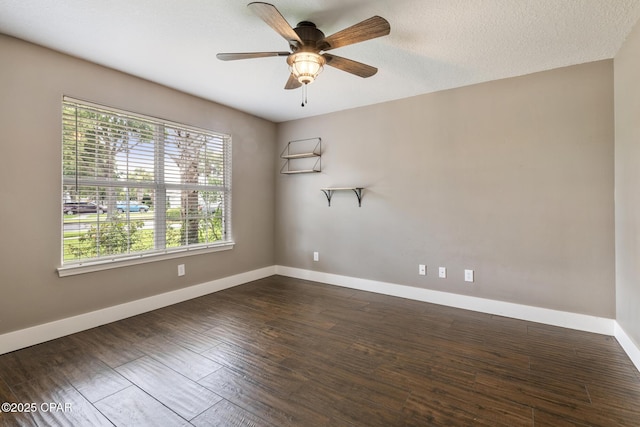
(131, 207)
(71, 208)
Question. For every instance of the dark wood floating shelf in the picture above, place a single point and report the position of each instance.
(329, 193)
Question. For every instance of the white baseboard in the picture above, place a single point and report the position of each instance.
(547, 316)
(37, 334)
(630, 347)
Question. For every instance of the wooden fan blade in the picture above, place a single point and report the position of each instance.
(292, 83)
(269, 14)
(350, 66)
(249, 55)
(368, 29)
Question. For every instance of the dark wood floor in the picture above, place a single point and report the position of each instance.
(287, 352)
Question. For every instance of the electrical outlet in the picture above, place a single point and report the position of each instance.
(422, 270)
(468, 275)
(181, 271)
(316, 256)
(442, 272)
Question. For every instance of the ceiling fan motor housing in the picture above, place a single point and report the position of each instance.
(310, 36)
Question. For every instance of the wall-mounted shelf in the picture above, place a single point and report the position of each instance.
(296, 151)
(329, 193)
(299, 171)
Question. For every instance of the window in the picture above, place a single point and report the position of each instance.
(135, 186)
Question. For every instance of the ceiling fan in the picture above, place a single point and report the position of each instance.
(309, 45)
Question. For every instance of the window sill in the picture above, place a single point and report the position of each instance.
(108, 264)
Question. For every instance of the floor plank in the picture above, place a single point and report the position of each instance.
(90, 376)
(226, 414)
(58, 403)
(280, 408)
(135, 408)
(12, 417)
(183, 396)
(182, 360)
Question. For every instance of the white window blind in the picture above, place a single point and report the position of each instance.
(136, 186)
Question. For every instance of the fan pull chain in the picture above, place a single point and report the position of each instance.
(304, 95)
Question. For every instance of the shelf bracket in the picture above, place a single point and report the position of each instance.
(358, 191)
(328, 192)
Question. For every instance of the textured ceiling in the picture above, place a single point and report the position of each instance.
(433, 45)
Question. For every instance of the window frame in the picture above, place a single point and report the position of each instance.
(160, 189)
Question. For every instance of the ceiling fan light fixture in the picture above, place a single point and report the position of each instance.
(305, 66)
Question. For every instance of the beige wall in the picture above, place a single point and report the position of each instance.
(512, 178)
(627, 187)
(32, 83)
